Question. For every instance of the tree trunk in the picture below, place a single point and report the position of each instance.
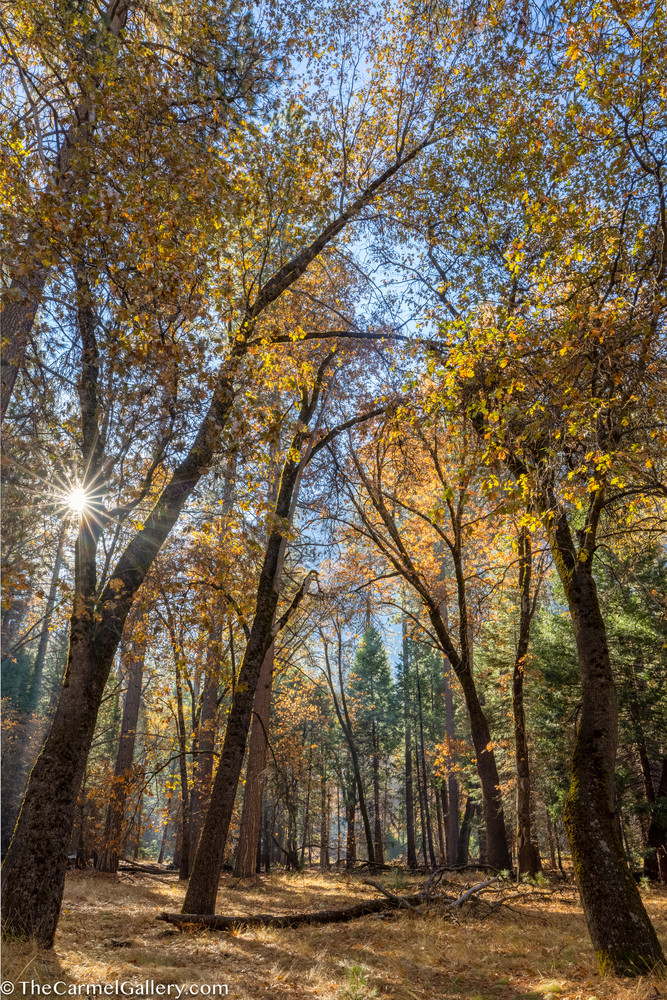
(137, 827)
(346, 726)
(167, 818)
(183, 870)
(623, 937)
(203, 763)
(24, 752)
(552, 840)
(33, 874)
(420, 799)
(324, 822)
(426, 814)
(379, 848)
(203, 887)
(657, 831)
(469, 814)
(306, 811)
(452, 829)
(442, 856)
(113, 826)
(251, 817)
(34, 870)
(350, 816)
(411, 846)
(527, 855)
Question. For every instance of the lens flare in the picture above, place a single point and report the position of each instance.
(77, 500)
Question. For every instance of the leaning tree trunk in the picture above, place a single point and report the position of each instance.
(33, 873)
(203, 888)
(113, 826)
(18, 764)
(492, 804)
(623, 937)
(251, 817)
(492, 801)
(34, 870)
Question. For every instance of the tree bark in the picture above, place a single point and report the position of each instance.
(623, 937)
(167, 818)
(24, 752)
(350, 817)
(452, 829)
(33, 874)
(470, 811)
(461, 660)
(424, 778)
(113, 827)
(251, 816)
(184, 866)
(379, 848)
(206, 731)
(203, 887)
(657, 831)
(324, 822)
(346, 726)
(527, 854)
(411, 846)
(442, 854)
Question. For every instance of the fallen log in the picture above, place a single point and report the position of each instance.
(195, 921)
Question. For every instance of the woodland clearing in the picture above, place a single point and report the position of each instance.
(109, 931)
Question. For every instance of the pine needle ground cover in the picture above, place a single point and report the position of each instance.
(534, 948)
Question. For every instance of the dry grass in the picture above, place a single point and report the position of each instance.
(108, 931)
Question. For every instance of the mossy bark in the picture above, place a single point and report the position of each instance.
(623, 937)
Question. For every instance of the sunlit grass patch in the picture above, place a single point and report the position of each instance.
(109, 931)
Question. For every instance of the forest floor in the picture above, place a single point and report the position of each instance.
(536, 949)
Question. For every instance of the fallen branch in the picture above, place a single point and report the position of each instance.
(474, 890)
(396, 900)
(194, 921)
